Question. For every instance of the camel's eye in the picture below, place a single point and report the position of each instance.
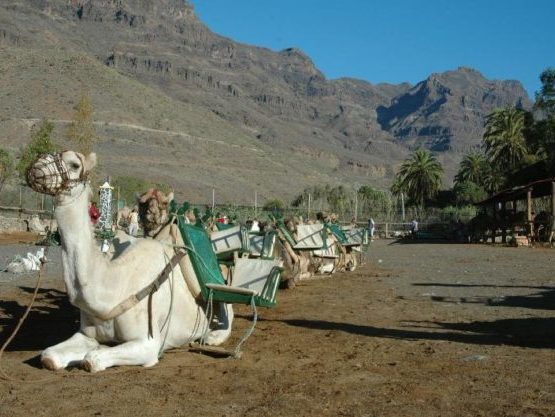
(75, 165)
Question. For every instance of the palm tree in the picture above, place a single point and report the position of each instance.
(504, 140)
(420, 176)
(473, 168)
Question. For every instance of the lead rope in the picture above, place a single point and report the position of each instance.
(3, 373)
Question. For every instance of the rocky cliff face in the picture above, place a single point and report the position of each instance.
(446, 111)
(278, 101)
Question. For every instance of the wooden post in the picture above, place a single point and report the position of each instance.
(504, 222)
(386, 231)
(553, 198)
(494, 225)
(529, 218)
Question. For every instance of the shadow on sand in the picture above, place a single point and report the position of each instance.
(51, 320)
(528, 332)
(541, 300)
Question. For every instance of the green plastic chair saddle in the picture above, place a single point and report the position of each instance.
(311, 236)
(262, 244)
(340, 235)
(254, 281)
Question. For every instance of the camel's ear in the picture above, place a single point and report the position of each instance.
(90, 161)
(169, 197)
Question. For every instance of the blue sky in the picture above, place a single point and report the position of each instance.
(398, 40)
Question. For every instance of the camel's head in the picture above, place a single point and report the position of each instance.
(57, 173)
(153, 210)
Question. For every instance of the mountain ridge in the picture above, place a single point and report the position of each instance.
(342, 130)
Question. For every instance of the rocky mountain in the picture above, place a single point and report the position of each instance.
(178, 103)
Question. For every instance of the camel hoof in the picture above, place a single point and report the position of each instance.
(50, 363)
(91, 365)
(87, 366)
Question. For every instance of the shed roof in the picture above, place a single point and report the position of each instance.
(540, 188)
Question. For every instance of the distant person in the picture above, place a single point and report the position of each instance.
(94, 213)
(371, 228)
(133, 223)
(413, 227)
(551, 239)
(353, 223)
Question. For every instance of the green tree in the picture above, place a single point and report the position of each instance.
(41, 142)
(545, 98)
(420, 176)
(339, 199)
(6, 167)
(81, 130)
(273, 205)
(541, 136)
(131, 187)
(374, 201)
(504, 140)
(473, 168)
(494, 179)
(468, 192)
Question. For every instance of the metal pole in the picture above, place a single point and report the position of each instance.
(20, 198)
(529, 207)
(308, 214)
(255, 202)
(356, 206)
(213, 198)
(402, 206)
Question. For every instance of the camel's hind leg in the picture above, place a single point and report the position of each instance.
(136, 352)
(70, 352)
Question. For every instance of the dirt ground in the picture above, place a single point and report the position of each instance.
(422, 329)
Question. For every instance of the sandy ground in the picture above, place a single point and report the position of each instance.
(422, 329)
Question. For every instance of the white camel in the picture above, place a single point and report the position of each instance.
(97, 284)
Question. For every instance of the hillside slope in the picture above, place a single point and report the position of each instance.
(178, 103)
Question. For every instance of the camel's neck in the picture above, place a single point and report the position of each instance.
(79, 253)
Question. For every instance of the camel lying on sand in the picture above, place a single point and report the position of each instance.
(108, 292)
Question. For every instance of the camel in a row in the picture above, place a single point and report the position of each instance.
(117, 326)
(298, 264)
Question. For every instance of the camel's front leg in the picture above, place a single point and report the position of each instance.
(70, 352)
(136, 352)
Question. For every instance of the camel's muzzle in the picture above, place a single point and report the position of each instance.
(49, 175)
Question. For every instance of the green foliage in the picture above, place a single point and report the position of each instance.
(41, 142)
(130, 188)
(455, 214)
(468, 192)
(81, 130)
(373, 201)
(545, 98)
(504, 140)
(494, 180)
(339, 199)
(473, 168)
(335, 198)
(6, 167)
(420, 176)
(274, 204)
